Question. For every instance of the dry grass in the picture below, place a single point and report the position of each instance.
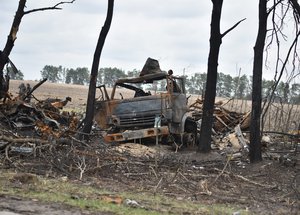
(78, 93)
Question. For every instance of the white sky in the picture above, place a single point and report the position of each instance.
(176, 32)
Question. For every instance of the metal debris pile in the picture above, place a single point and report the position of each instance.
(40, 119)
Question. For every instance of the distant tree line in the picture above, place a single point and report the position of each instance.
(81, 75)
(238, 87)
(59, 74)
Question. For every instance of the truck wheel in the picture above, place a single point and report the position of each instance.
(190, 129)
(190, 125)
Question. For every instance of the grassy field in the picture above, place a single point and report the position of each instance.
(99, 200)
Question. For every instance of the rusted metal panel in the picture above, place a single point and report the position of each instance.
(139, 111)
(136, 134)
(179, 107)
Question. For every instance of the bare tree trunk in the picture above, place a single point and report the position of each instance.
(295, 6)
(13, 36)
(9, 45)
(211, 82)
(212, 74)
(255, 137)
(88, 121)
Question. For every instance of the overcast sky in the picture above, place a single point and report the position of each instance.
(175, 32)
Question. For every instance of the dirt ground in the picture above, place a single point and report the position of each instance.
(219, 177)
(17, 206)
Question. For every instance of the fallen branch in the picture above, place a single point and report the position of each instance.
(221, 173)
(41, 141)
(158, 185)
(282, 133)
(277, 132)
(81, 165)
(153, 171)
(81, 142)
(22, 140)
(255, 183)
(7, 157)
(246, 179)
(6, 153)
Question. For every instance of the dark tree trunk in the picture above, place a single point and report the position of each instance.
(295, 6)
(255, 137)
(4, 83)
(10, 43)
(88, 121)
(210, 90)
(12, 35)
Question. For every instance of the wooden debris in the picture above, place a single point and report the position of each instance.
(225, 120)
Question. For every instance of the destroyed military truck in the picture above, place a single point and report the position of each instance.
(149, 106)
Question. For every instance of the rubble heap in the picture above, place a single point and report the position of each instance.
(224, 120)
(42, 119)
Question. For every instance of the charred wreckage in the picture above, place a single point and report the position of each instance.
(151, 105)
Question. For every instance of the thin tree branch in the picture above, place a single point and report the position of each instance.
(273, 7)
(280, 75)
(55, 7)
(35, 87)
(233, 27)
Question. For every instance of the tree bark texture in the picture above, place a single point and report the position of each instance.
(255, 136)
(90, 108)
(10, 40)
(295, 6)
(212, 71)
(12, 35)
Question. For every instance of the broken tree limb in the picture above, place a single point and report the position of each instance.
(6, 153)
(223, 170)
(280, 133)
(233, 27)
(222, 122)
(247, 180)
(22, 140)
(62, 141)
(35, 87)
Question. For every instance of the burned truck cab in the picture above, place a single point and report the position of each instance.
(146, 106)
